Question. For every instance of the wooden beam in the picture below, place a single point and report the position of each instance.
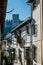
(41, 29)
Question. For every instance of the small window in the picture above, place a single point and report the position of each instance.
(27, 29)
(20, 56)
(19, 53)
(34, 53)
(27, 52)
(27, 56)
(33, 29)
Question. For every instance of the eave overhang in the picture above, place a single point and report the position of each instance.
(22, 24)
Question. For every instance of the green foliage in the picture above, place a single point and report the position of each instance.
(26, 57)
(10, 56)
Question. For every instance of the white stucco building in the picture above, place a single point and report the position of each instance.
(29, 32)
(27, 38)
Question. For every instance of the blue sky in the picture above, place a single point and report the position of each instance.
(20, 7)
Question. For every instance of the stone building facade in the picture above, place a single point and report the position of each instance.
(31, 38)
(27, 38)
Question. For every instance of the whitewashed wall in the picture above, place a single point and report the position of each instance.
(36, 40)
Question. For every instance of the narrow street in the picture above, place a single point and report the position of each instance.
(21, 32)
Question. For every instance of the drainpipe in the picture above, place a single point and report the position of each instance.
(31, 48)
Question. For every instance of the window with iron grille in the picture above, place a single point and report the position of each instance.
(34, 53)
(35, 30)
(27, 55)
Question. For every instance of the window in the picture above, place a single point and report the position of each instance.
(27, 52)
(28, 59)
(27, 29)
(34, 29)
(34, 53)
